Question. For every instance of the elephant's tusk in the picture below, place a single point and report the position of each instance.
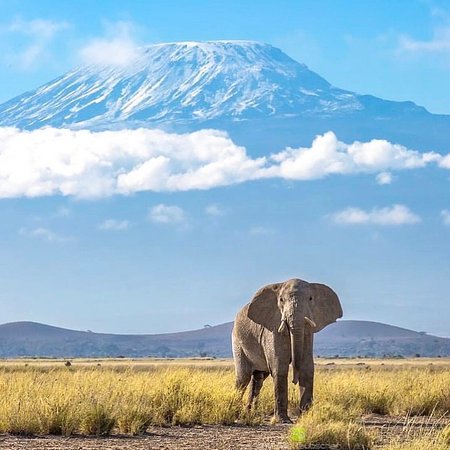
(311, 322)
(283, 328)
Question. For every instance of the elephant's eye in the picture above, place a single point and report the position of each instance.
(310, 298)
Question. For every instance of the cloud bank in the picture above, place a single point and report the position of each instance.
(88, 164)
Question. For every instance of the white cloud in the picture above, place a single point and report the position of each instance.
(117, 49)
(214, 210)
(64, 212)
(39, 28)
(445, 214)
(390, 215)
(44, 234)
(328, 155)
(439, 43)
(114, 225)
(445, 162)
(260, 231)
(38, 34)
(82, 163)
(31, 55)
(384, 178)
(167, 214)
(88, 164)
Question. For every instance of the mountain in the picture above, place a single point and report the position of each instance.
(35, 339)
(358, 337)
(190, 81)
(238, 86)
(345, 338)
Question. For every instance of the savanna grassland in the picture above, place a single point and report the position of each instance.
(386, 404)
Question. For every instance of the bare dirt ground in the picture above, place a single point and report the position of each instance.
(270, 437)
(217, 437)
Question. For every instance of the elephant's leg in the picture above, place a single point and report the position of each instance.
(306, 380)
(280, 378)
(243, 369)
(256, 384)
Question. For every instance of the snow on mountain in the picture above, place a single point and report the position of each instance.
(188, 82)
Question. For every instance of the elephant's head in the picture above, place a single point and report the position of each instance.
(295, 307)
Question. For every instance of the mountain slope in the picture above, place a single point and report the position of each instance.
(193, 83)
(346, 338)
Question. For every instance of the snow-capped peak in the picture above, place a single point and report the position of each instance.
(182, 82)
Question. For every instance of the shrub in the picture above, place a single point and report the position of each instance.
(314, 428)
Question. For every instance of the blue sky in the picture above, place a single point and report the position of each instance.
(155, 262)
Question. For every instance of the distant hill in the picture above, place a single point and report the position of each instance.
(357, 337)
(344, 338)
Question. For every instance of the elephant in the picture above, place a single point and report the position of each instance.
(275, 329)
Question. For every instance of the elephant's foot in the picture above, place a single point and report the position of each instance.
(278, 418)
(304, 406)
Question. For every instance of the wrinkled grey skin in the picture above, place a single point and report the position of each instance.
(271, 331)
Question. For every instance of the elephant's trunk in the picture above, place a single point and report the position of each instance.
(297, 345)
(297, 339)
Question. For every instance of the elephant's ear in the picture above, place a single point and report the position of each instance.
(326, 307)
(263, 308)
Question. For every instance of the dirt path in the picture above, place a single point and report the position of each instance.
(273, 437)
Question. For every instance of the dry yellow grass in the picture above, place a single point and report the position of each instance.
(317, 427)
(412, 391)
(344, 396)
(127, 397)
(427, 438)
(93, 401)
